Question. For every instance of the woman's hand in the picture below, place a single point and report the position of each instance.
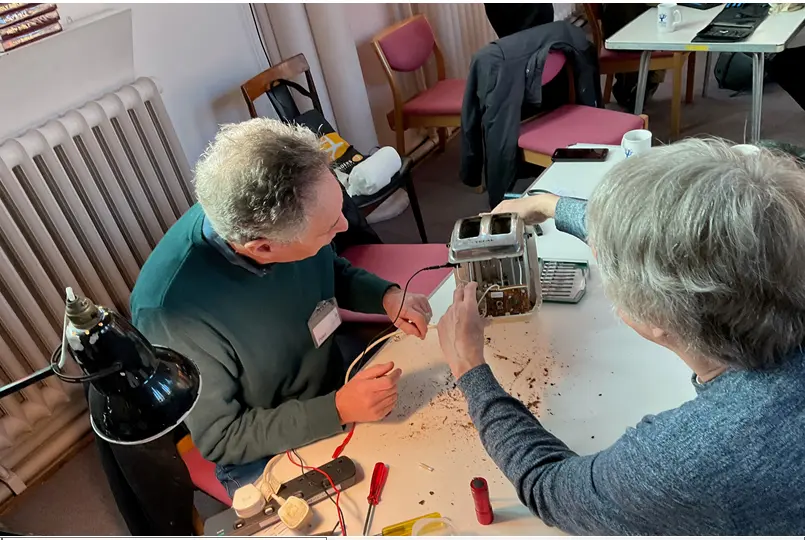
(461, 331)
(534, 209)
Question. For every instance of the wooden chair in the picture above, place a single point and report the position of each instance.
(406, 47)
(276, 84)
(612, 62)
(571, 123)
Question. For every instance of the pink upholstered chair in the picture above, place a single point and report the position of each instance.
(571, 124)
(406, 47)
(553, 67)
(202, 472)
(397, 263)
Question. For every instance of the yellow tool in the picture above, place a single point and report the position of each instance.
(405, 528)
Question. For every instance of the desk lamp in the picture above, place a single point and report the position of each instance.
(138, 391)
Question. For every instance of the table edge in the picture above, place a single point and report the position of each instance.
(698, 47)
(736, 46)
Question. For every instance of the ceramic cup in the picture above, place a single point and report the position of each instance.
(747, 149)
(669, 16)
(635, 142)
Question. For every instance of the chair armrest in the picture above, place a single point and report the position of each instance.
(405, 168)
(400, 179)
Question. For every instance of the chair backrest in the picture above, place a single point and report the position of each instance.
(592, 12)
(275, 82)
(554, 64)
(407, 45)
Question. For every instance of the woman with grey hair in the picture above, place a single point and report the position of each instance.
(701, 247)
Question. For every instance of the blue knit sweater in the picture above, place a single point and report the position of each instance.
(729, 462)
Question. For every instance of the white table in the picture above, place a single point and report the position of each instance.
(771, 36)
(602, 378)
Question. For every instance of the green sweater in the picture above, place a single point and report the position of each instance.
(266, 388)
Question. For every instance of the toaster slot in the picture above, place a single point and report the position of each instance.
(470, 228)
(501, 224)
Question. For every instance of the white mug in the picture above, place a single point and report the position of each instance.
(669, 16)
(635, 142)
(746, 149)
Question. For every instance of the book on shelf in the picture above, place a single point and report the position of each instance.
(21, 24)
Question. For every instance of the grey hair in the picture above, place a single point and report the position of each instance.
(256, 178)
(708, 244)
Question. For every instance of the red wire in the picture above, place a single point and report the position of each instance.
(344, 444)
(327, 476)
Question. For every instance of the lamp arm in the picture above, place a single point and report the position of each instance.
(55, 369)
(35, 377)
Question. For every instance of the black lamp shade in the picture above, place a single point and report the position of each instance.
(147, 410)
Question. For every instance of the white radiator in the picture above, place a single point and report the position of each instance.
(83, 201)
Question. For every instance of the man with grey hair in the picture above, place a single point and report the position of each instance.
(701, 247)
(246, 285)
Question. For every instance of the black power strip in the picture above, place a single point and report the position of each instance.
(311, 486)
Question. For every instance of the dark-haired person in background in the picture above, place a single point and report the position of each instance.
(785, 68)
(508, 19)
(613, 18)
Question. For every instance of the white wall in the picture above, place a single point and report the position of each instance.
(63, 71)
(199, 55)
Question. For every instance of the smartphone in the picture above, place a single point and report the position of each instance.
(579, 154)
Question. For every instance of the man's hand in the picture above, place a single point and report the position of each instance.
(369, 396)
(415, 314)
(461, 332)
(534, 209)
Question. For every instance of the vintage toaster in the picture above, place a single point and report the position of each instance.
(499, 252)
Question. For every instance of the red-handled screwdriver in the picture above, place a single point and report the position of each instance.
(379, 476)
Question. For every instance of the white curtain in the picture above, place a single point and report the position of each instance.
(318, 32)
(460, 29)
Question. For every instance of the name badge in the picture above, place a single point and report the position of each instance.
(324, 320)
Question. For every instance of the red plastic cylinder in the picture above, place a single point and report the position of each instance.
(480, 495)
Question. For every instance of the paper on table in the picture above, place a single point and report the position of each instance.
(577, 179)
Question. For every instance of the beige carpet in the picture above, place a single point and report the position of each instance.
(77, 501)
